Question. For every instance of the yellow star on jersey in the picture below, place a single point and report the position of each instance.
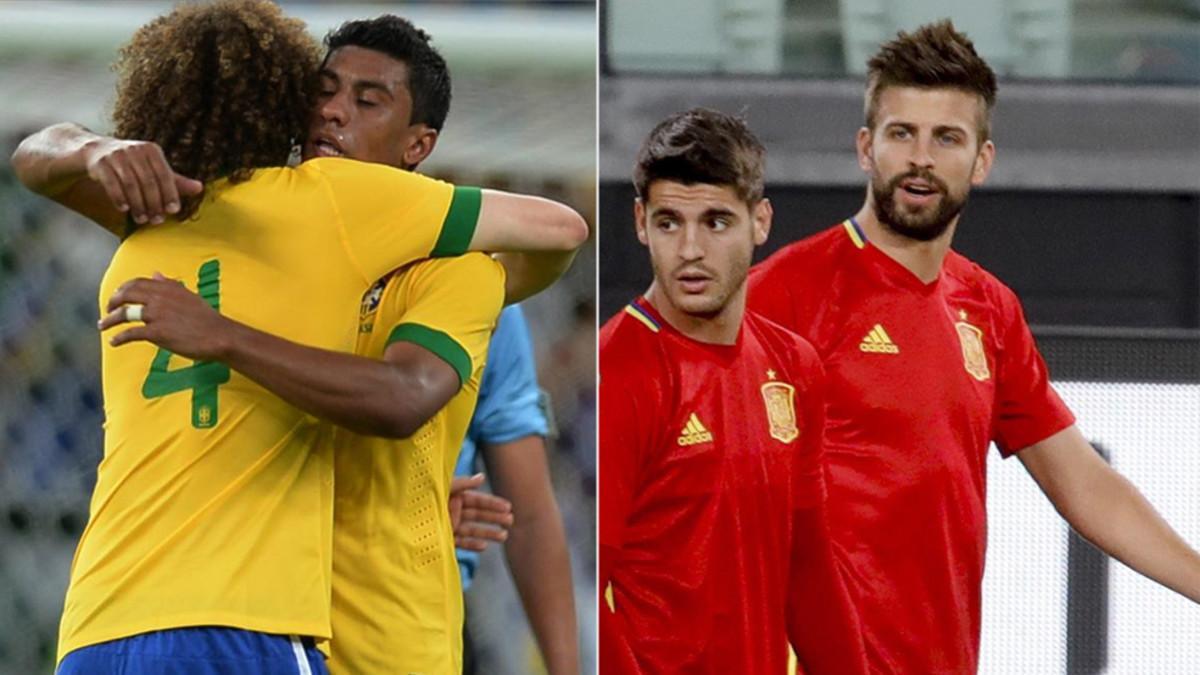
(962, 314)
(770, 374)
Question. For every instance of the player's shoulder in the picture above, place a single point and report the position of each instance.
(472, 266)
(471, 283)
(512, 321)
(511, 346)
(630, 329)
(338, 166)
(779, 339)
(630, 341)
(972, 275)
(811, 257)
(364, 176)
(634, 363)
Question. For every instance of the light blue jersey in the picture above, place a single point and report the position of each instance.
(509, 405)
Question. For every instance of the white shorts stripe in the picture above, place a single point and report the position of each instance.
(301, 657)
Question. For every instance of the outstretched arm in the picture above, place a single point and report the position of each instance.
(1109, 511)
(536, 549)
(100, 177)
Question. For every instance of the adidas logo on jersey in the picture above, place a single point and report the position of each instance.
(694, 432)
(878, 342)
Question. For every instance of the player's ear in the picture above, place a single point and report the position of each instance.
(983, 163)
(762, 215)
(639, 220)
(862, 144)
(419, 145)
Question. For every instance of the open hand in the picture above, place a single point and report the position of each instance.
(478, 518)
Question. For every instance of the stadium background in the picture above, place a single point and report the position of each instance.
(522, 117)
(1092, 214)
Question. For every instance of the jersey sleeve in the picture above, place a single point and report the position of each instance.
(630, 412)
(1028, 409)
(450, 309)
(509, 399)
(809, 468)
(389, 218)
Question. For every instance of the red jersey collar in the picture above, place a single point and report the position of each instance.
(892, 270)
(641, 309)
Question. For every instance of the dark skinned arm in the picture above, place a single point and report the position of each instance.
(102, 178)
(392, 397)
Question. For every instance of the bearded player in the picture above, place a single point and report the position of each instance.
(208, 541)
(928, 360)
(713, 540)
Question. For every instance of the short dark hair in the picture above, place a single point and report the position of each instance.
(224, 87)
(702, 146)
(428, 77)
(933, 56)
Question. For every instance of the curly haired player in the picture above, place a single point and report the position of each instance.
(208, 543)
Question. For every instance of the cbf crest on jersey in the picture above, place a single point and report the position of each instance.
(370, 303)
(780, 400)
(974, 357)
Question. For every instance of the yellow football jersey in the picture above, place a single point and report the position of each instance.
(213, 504)
(397, 598)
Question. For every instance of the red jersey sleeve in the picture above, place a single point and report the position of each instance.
(809, 471)
(1028, 409)
(623, 444)
(630, 406)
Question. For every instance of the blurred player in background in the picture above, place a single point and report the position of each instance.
(712, 508)
(929, 359)
(203, 526)
(508, 431)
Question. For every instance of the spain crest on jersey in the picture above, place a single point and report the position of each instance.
(780, 399)
(974, 357)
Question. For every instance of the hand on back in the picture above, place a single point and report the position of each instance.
(137, 178)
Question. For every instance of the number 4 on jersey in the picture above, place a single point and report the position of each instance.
(202, 377)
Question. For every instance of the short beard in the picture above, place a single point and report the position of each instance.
(915, 226)
(727, 285)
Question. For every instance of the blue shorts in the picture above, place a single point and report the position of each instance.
(206, 650)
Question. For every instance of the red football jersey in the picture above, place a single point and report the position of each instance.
(705, 451)
(919, 379)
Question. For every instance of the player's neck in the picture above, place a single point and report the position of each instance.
(922, 258)
(721, 328)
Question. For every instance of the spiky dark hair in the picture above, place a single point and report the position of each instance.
(933, 56)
